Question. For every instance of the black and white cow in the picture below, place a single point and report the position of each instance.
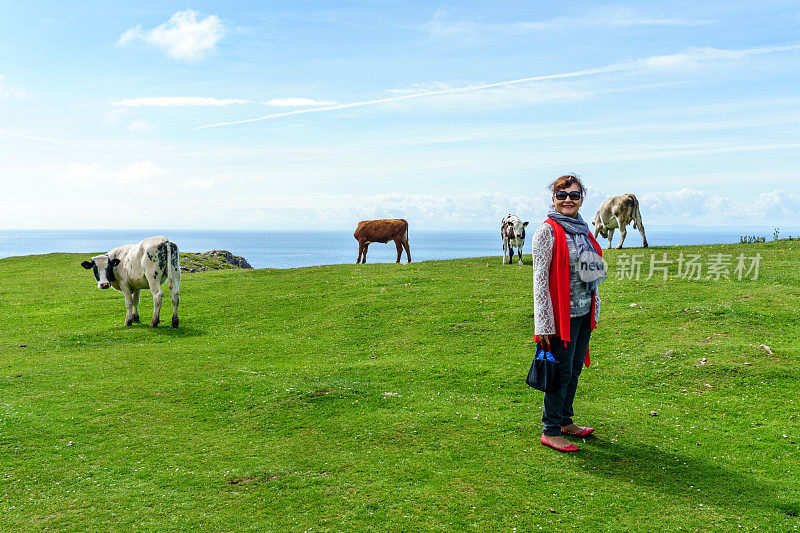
(133, 267)
(512, 231)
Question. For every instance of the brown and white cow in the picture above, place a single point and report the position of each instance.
(133, 267)
(512, 231)
(618, 212)
(384, 230)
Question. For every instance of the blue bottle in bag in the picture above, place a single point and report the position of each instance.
(542, 354)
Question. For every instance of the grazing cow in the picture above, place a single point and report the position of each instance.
(512, 231)
(385, 230)
(618, 212)
(133, 267)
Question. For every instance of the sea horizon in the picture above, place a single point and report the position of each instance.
(294, 249)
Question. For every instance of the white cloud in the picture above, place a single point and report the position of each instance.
(93, 174)
(481, 210)
(777, 204)
(176, 101)
(141, 126)
(684, 206)
(346, 209)
(185, 36)
(81, 174)
(702, 57)
(691, 206)
(298, 102)
(140, 172)
(7, 91)
(697, 57)
(691, 58)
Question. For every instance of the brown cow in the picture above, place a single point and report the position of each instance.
(385, 230)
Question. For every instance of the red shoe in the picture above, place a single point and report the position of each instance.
(582, 433)
(568, 448)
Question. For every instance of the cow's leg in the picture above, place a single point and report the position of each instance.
(505, 247)
(519, 254)
(610, 236)
(408, 248)
(399, 247)
(641, 231)
(174, 290)
(128, 304)
(622, 232)
(364, 257)
(360, 251)
(154, 279)
(135, 301)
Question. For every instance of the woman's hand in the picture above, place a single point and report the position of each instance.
(545, 339)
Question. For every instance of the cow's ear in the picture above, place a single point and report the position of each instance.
(114, 262)
(524, 224)
(87, 265)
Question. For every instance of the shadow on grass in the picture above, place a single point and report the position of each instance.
(682, 476)
(128, 335)
(164, 330)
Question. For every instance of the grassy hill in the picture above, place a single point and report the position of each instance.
(391, 398)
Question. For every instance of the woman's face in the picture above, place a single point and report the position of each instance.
(568, 206)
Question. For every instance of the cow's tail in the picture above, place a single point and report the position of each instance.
(173, 261)
(636, 215)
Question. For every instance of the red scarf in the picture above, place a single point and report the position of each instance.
(559, 284)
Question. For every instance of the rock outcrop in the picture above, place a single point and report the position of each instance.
(213, 260)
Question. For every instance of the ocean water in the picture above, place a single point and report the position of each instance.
(293, 249)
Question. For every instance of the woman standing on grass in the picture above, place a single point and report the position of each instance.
(567, 267)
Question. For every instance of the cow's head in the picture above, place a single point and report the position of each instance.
(601, 228)
(103, 268)
(516, 227)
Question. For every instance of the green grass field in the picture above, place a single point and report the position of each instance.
(392, 398)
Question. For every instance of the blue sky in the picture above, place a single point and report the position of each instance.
(261, 115)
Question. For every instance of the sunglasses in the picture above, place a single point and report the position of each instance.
(573, 195)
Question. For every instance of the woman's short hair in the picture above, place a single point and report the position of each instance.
(565, 182)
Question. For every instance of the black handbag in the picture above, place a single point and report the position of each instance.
(543, 374)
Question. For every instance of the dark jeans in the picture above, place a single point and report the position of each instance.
(557, 410)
